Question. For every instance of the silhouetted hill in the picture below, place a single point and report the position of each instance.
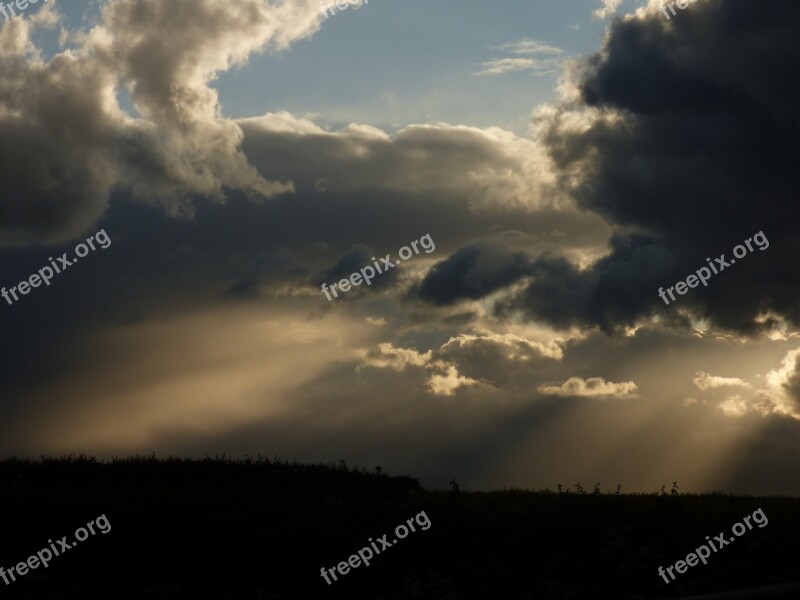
(261, 529)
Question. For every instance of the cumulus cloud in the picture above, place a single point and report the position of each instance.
(515, 347)
(66, 142)
(486, 169)
(705, 381)
(782, 392)
(779, 395)
(734, 406)
(389, 357)
(592, 387)
(446, 384)
(467, 360)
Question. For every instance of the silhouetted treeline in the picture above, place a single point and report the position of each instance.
(262, 529)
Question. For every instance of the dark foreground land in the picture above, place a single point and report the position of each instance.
(259, 529)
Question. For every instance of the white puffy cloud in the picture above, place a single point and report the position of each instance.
(706, 381)
(447, 383)
(782, 392)
(734, 406)
(592, 387)
(389, 357)
(515, 346)
(609, 7)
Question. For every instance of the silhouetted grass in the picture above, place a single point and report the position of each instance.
(260, 528)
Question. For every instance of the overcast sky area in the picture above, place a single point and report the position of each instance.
(567, 159)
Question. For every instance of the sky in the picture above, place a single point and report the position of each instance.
(560, 166)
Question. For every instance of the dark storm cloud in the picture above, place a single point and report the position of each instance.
(473, 272)
(686, 138)
(604, 295)
(352, 261)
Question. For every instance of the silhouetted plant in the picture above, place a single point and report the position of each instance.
(674, 490)
(558, 485)
(378, 470)
(579, 488)
(454, 487)
(596, 491)
(663, 492)
(619, 487)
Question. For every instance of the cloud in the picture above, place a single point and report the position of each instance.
(389, 357)
(782, 392)
(734, 406)
(445, 379)
(481, 168)
(605, 295)
(516, 347)
(72, 143)
(473, 272)
(528, 46)
(497, 358)
(446, 384)
(656, 134)
(352, 261)
(538, 66)
(590, 388)
(609, 8)
(501, 66)
(705, 381)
